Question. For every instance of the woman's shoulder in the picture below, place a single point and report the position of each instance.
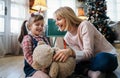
(84, 22)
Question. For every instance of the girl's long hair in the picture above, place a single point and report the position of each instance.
(23, 31)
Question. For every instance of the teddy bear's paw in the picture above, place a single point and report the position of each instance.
(41, 42)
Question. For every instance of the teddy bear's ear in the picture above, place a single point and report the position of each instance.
(52, 50)
(41, 42)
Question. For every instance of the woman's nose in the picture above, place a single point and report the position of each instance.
(56, 23)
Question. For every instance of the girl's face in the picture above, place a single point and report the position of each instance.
(61, 23)
(37, 27)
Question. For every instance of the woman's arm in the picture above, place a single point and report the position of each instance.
(87, 35)
(83, 44)
(77, 53)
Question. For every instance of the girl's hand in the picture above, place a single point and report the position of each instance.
(62, 55)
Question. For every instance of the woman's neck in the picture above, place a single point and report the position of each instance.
(73, 30)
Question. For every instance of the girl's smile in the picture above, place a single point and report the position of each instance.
(37, 27)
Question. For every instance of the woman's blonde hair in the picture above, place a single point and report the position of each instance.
(69, 15)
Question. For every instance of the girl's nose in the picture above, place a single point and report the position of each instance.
(40, 26)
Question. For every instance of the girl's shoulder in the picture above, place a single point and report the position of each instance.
(27, 37)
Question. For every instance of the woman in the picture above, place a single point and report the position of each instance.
(94, 54)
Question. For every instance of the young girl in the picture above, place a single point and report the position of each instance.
(29, 41)
(94, 54)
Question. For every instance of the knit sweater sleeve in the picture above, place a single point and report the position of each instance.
(86, 33)
(27, 49)
(85, 42)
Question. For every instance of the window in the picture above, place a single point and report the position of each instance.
(1, 25)
(118, 10)
(12, 14)
(18, 14)
(113, 9)
(55, 4)
(2, 13)
(17, 10)
(2, 4)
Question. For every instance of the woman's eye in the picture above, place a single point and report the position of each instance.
(58, 19)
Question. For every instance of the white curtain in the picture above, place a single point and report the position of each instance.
(2, 49)
(15, 46)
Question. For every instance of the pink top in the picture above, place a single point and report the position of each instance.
(88, 40)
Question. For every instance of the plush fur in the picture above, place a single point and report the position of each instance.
(42, 58)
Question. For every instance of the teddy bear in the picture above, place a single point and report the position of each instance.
(43, 59)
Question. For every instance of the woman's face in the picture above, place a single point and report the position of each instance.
(37, 27)
(61, 23)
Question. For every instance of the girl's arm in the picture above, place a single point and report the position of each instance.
(27, 49)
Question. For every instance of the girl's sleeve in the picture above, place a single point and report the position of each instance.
(27, 49)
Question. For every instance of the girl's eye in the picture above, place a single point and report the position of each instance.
(39, 24)
(42, 25)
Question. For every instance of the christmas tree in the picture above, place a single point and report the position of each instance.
(96, 12)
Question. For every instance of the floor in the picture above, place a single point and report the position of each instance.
(12, 67)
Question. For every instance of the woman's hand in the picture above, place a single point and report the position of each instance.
(88, 55)
(62, 55)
